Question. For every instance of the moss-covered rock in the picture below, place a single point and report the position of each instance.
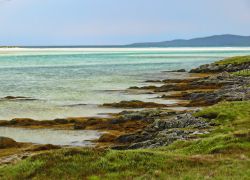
(6, 142)
(232, 64)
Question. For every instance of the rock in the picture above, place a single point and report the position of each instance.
(235, 89)
(134, 116)
(153, 81)
(220, 76)
(31, 122)
(139, 115)
(213, 68)
(23, 121)
(210, 90)
(4, 123)
(189, 80)
(13, 159)
(6, 142)
(211, 115)
(126, 138)
(79, 125)
(23, 98)
(178, 70)
(202, 99)
(134, 87)
(118, 120)
(134, 104)
(107, 138)
(163, 131)
(120, 147)
(180, 121)
(62, 121)
(198, 84)
(151, 87)
(45, 147)
(13, 97)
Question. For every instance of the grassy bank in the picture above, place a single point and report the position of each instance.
(242, 73)
(234, 60)
(222, 154)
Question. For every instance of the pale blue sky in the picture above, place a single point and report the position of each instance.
(98, 22)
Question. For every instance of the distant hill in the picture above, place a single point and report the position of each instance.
(226, 40)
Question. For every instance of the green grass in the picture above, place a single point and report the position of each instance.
(230, 135)
(235, 115)
(222, 154)
(141, 164)
(242, 73)
(234, 60)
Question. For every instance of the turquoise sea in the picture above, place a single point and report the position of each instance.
(72, 82)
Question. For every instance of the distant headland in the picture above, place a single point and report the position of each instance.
(225, 40)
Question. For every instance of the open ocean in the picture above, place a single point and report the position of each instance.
(72, 82)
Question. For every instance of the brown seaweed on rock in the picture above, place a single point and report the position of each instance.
(134, 104)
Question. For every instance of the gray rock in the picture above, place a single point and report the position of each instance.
(180, 121)
(163, 131)
(208, 68)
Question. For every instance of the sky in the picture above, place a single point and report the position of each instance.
(116, 22)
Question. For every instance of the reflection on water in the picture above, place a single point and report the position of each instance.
(49, 136)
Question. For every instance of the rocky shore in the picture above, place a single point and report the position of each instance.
(206, 91)
(155, 125)
(232, 64)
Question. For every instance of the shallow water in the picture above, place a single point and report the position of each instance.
(73, 82)
(49, 136)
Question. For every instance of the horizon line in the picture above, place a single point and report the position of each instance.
(126, 45)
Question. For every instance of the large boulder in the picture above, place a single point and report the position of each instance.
(163, 131)
(6, 142)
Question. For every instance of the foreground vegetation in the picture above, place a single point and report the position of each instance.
(222, 154)
(234, 60)
(242, 73)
